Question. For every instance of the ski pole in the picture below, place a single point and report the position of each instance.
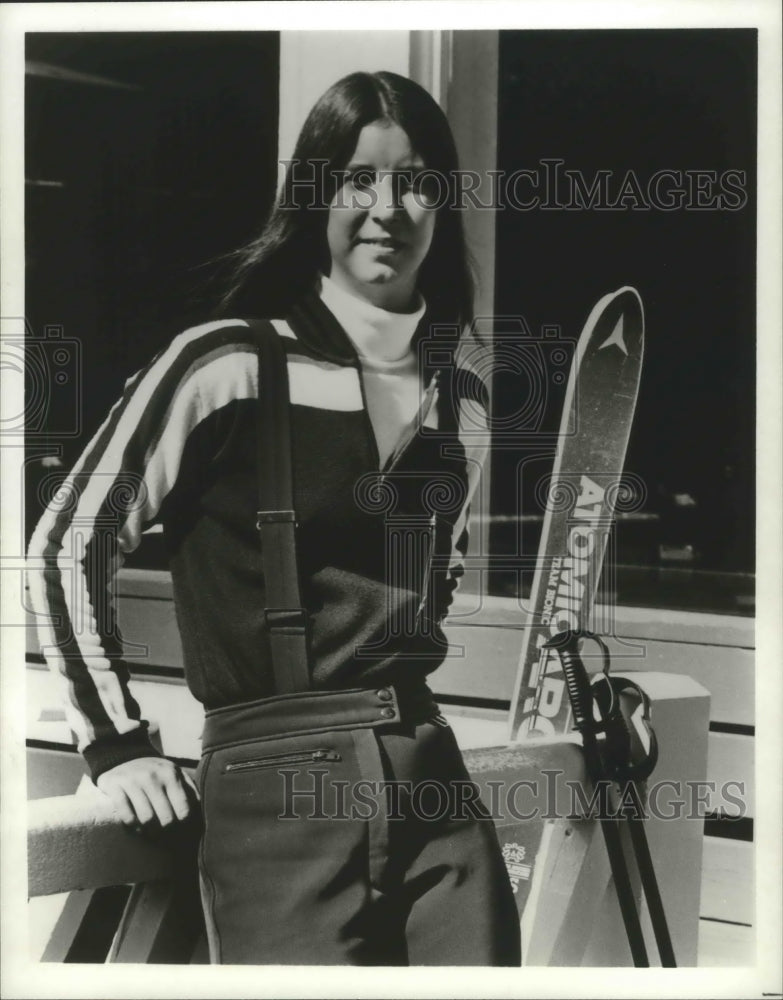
(581, 697)
(652, 891)
(617, 757)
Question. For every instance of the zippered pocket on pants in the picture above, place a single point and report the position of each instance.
(280, 759)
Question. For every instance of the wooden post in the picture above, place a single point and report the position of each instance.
(161, 923)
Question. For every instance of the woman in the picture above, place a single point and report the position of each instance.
(306, 856)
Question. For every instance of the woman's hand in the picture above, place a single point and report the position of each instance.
(148, 789)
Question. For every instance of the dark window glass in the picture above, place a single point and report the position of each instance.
(635, 103)
(147, 156)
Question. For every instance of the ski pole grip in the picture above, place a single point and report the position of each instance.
(566, 644)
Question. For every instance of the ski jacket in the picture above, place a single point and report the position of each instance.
(380, 551)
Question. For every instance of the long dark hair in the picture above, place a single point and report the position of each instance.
(270, 273)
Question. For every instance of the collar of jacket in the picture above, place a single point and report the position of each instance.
(320, 332)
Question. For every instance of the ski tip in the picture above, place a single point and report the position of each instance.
(627, 296)
(630, 294)
(630, 302)
(616, 318)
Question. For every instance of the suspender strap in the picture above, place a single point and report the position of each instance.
(285, 617)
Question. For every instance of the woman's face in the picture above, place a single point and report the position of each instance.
(380, 227)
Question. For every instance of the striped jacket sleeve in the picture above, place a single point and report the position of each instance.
(113, 493)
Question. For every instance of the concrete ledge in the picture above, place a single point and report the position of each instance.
(77, 842)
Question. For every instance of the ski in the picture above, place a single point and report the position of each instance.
(585, 485)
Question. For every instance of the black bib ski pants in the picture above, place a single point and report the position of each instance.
(342, 828)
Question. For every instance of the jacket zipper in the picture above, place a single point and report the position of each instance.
(425, 587)
(278, 759)
(367, 422)
(393, 461)
(410, 432)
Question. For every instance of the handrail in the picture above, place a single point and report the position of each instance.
(78, 842)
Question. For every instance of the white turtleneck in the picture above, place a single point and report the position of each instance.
(392, 381)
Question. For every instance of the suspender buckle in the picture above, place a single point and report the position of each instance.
(274, 517)
(291, 621)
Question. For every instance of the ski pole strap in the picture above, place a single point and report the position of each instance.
(285, 618)
(631, 747)
(629, 750)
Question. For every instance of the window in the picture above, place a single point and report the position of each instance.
(663, 124)
(147, 156)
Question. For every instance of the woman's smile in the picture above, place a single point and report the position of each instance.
(381, 243)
